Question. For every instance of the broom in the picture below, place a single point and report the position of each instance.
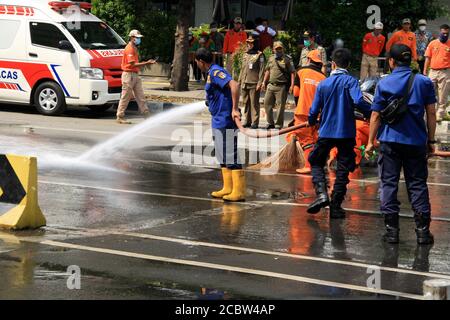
(287, 159)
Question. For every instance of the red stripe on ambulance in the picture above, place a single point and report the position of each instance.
(33, 72)
(17, 10)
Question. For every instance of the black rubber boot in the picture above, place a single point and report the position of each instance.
(322, 200)
(424, 236)
(392, 234)
(336, 211)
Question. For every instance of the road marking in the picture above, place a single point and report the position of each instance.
(134, 192)
(165, 195)
(222, 267)
(250, 250)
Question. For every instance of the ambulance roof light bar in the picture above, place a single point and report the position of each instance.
(63, 5)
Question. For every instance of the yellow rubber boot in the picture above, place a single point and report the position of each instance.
(227, 184)
(239, 187)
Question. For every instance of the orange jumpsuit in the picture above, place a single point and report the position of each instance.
(307, 80)
(362, 139)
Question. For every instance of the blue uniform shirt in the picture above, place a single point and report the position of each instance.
(335, 101)
(218, 94)
(411, 129)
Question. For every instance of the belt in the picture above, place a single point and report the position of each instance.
(369, 55)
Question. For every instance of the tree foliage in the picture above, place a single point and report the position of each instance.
(158, 27)
(348, 19)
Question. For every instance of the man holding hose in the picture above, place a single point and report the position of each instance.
(222, 95)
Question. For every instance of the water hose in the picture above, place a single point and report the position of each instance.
(267, 134)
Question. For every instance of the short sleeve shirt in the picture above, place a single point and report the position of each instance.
(218, 95)
(439, 53)
(130, 55)
(411, 129)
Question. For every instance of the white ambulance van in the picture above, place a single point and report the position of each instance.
(56, 53)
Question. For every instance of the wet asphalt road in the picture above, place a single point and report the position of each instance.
(141, 227)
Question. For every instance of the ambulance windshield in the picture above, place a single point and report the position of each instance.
(94, 35)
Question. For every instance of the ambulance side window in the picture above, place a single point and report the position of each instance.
(8, 32)
(45, 34)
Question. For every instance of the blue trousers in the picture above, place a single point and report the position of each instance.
(226, 148)
(345, 163)
(413, 159)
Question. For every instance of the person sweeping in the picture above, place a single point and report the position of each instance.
(222, 94)
(305, 86)
(335, 101)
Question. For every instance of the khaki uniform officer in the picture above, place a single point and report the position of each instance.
(280, 73)
(250, 80)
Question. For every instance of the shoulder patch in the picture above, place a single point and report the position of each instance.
(216, 72)
(221, 75)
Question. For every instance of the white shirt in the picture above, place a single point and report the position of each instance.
(270, 31)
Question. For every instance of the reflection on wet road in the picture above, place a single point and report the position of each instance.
(140, 226)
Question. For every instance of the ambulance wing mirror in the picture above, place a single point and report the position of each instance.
(65, 45)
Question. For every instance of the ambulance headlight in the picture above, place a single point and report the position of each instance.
(91, 73)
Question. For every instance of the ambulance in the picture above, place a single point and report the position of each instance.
(55, 54)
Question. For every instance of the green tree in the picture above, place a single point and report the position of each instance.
(348, 19)
(157, 26)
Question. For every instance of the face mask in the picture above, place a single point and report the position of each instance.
(278, 54)
(307, 43)
(422, 28)
(443, 37)
(137, 41)
(214, 30)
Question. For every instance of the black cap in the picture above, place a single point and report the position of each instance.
(400, 53)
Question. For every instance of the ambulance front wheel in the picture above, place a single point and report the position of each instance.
(49, 99)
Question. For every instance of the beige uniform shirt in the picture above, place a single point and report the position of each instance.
(252, 72)
(279, 71)
(304, 55)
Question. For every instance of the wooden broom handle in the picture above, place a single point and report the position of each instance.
(267, 134)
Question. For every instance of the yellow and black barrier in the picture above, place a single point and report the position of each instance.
(18, 186)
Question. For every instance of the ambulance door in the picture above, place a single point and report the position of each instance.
(44, 48)
(13, 85)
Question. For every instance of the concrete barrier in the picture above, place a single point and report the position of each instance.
(18, 187)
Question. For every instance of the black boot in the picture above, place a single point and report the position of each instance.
(322, 200)
(336, 211)
(392, 234)
(424, 236)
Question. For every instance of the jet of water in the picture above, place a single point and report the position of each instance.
(112, 145)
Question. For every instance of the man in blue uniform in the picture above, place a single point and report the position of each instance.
(222, 94)
(335, 101)
(404, 144)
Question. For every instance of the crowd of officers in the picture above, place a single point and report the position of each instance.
(328, 105)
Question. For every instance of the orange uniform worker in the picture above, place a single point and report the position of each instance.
(305, 86)
(406, 37)
(362, 138)
(233, 39)
(438, 60)
(373, 44)
(131, 82)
